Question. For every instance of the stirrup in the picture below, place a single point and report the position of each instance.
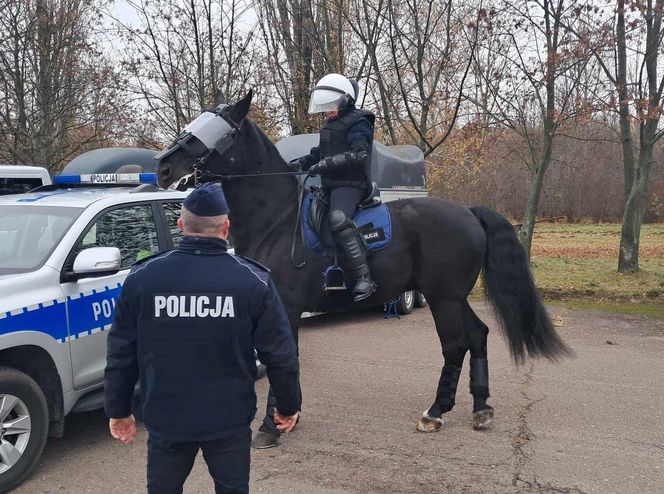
(333, 277)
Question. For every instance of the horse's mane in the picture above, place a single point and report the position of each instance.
(267, 144)
(265, 147)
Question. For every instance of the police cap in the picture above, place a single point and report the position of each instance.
(207, 200)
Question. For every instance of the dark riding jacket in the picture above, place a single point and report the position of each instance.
(186, 324)
(348, 139)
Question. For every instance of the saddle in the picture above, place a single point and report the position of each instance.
(372, 219)
(320, 204)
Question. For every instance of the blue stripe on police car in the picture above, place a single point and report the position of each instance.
(50, 319)
(89, 313)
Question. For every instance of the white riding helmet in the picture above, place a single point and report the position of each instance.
(333, 92)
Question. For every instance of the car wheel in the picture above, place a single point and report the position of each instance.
(420, 301)
(23, 426)
(406, 303)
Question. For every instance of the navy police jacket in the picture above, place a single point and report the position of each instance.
(186, 324)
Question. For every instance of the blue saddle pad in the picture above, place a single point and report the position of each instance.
(374, 223)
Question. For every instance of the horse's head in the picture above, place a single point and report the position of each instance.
(206, 142)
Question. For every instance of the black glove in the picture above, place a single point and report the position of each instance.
(318, 168)
(338, 162)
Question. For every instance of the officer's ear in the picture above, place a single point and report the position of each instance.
(180, 224)
(226, 227)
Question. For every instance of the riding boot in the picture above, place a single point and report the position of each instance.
(347, 238)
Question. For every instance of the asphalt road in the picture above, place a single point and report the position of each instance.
(591, 424)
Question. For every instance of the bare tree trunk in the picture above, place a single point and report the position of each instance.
(552, 23)
(366, 20)
(535, 192)
(630, 233)
(530, 216)
(44, 86)
(628, 260)
(626, 138)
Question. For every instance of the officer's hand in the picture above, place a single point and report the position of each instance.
(318, 168)
(285, 423)
(123, 429)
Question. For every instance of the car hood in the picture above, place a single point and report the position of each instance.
(4, 277)
(25, 289)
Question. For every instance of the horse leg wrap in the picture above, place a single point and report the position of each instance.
(479, 378)
(446, 393)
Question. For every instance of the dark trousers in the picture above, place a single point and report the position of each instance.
(346, 199)
(169, 463)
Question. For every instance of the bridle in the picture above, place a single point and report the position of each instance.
(200, 169)
(201, 172)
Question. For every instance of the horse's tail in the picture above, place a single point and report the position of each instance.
(509, 286)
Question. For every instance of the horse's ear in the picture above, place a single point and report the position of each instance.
(219, 99)
(241, 109)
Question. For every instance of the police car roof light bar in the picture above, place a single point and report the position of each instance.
(107, 178)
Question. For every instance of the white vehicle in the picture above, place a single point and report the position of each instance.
(64, 254)
(16, 179)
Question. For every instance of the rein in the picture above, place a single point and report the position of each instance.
(199, 175)
(246, 175)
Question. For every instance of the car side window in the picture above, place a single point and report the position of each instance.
(131, 229)
(172, 212)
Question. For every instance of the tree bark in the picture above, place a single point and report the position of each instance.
(626, 138)
(628, 257)
(552, 22)
(44, 85)
(535, 192)
(628, 261)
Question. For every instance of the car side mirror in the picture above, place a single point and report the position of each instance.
(96, 261)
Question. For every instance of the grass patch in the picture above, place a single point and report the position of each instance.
(577, 265)
(574, 261)
(597, 278)
(655, 311)
(573, 241)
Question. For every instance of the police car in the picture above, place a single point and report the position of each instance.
(65, 250)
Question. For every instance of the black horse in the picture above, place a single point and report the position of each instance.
(438, 248)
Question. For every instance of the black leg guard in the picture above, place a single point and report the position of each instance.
(446, 394)
(479, 382)
(348, 240)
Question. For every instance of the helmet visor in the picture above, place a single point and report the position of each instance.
(325, 100)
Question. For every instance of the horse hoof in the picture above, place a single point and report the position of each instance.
(265, 440)
(482, 419)
(429, 424)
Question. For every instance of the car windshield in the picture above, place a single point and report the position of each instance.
(18, 185)
(28, 235)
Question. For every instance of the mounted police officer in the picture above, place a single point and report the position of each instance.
(343, 160)
(186, 324)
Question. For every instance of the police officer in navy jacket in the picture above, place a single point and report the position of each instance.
(186, 325)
